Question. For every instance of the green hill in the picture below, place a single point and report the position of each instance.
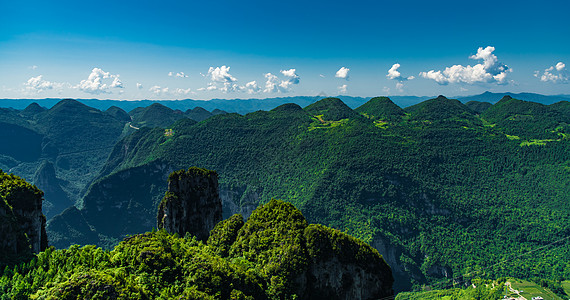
(527, 119)
(155, 115)
(198, 114)
(381, 108)
(440, 109)
(331, 109)
(118, 114)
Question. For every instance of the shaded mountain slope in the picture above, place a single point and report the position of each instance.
(478, 106)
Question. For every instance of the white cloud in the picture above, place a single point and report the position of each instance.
(158, 91)
(400, 86)
(321, 75)
(139, 86)
(182, 92)
(38, 84)
(220, 74)
(293, 77)
(271, 85)
(394, 74)
(34, 67)
(252, 87)
(342, 89)
(177, 74)
(490, 71)
(222, 80)
(342, 73)
(94, 84)
(276, 85)
(555, 74)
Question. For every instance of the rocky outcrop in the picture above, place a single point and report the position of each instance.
(22, 224)
(192, 203)
(342, 267)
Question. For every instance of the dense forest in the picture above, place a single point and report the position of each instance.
(275, 254)
(445, 191)
(440, 189)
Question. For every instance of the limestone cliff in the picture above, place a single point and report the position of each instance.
(192, 203)
(22, 224)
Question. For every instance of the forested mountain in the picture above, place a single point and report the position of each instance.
(440, 189)
(62, 149)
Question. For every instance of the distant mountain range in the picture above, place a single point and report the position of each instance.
(244, 106)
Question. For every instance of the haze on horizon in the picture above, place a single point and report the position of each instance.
(255, 49)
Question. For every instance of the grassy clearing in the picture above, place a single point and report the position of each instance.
(531, 289)
(535, 142)
(322, 123)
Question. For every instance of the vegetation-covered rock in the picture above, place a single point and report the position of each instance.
(22, 224)
(276, 255)
(192, 203)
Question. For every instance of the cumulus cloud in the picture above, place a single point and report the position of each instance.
(490, 71)
(342, 89)
(221, 80)
(293, 77)
(342, 73)
(34, 67)
(394, 74)
(139, 86)
(252, 87)
(276, 85)
(99, 82)
(554, 74)
(170, 74)
(38, 84)
(220, 74)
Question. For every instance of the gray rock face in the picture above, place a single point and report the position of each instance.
(192, 203)
(336, 280)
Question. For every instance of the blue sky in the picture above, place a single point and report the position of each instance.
(258, 49)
